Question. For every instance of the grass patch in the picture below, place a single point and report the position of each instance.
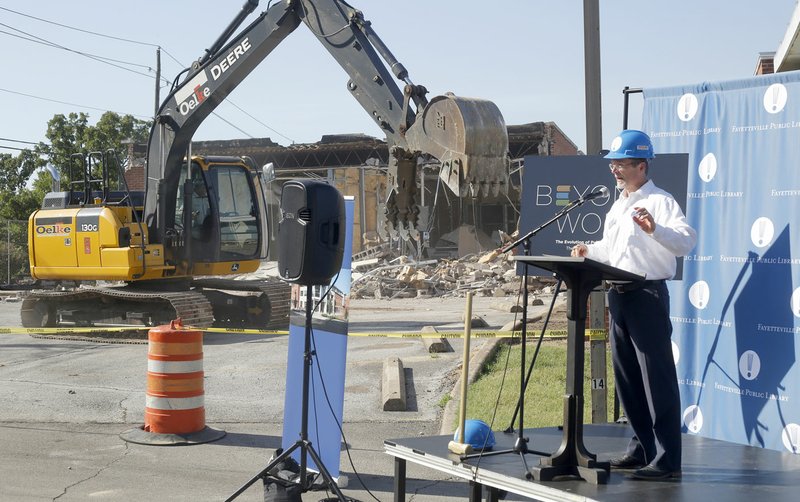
(544, 398)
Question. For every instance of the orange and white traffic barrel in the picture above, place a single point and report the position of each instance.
(174, 400)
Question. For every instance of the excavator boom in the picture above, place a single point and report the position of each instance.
(466, 135)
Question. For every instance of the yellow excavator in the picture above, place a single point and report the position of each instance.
(201, 220)
(92, 233)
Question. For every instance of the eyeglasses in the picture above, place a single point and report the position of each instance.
(616, 167)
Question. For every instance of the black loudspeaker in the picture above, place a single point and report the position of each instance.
(310, 232)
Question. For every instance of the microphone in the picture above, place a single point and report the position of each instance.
(603, 192)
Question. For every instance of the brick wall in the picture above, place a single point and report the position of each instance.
(134, 172)
(560, 144)
(765, 64)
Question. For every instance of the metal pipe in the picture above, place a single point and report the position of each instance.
(626, 92)
(158, 81)
(247, 9)
(591, 53)
(362, 207)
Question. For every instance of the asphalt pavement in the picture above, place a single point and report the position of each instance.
(64, 404)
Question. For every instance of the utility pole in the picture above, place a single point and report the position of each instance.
(594, 142)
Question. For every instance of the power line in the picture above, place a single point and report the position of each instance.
(78, 29)
(147, 117)
(99, 59)
(12, 148)
(70, 104)
(265, 125)
(89, 32)
(232, 125)
(97, 34)
(111, 62)
(53, 44)
(19, 141)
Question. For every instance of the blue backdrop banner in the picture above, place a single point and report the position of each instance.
(736, 314)
(329, 362)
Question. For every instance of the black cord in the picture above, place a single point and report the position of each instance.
(320, 34)
(175, 81)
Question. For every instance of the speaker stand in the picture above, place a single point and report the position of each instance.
(303, 443)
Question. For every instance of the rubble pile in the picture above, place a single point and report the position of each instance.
(489, 274)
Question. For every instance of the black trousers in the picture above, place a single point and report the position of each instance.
(644, 370)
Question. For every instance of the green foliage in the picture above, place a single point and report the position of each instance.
(544, 398)
(23, 179)
(17, 201)
(71, 134)
(15, 171)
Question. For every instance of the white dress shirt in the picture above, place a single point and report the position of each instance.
(626, 246)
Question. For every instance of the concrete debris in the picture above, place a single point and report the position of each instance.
(490, 274)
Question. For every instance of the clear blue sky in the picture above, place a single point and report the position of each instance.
(525, 55)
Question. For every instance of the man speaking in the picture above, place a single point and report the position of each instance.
(644, 231)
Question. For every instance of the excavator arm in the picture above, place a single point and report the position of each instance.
(467, 136)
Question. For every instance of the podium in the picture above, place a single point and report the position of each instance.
(581, 275)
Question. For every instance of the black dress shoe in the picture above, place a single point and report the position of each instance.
(626, 462)
(651, 472)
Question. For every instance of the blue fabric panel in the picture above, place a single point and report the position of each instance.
(736, 314)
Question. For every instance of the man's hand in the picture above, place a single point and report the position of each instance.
(644, 219)
(579, 250)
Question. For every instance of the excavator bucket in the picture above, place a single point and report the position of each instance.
(469, 138)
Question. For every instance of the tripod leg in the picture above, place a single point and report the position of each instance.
(325, 474)
(265, 471)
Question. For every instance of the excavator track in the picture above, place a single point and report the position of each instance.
(254, 304)
(239, 304)
(115, 306)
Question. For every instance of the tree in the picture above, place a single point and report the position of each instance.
(71, 134)
(16, 200)
(67, 134)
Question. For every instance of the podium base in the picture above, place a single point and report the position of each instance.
(596, 473)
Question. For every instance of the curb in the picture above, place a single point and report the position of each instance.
(393, 385)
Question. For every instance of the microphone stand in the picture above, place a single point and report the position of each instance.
(521, 443)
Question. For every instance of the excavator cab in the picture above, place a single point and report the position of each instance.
(220, 216)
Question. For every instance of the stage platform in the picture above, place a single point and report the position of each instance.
(712, 470)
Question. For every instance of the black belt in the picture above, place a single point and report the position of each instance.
(624, 287)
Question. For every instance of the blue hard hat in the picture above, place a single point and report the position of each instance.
(477, 434)
(631, 144)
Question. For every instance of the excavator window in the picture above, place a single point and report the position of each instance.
(202, 217)
(226, 192)
(237, 211)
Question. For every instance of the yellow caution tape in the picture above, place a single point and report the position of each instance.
(118, 329)
(86, 329)
(591, 334)
(594, 334)
(245, 331)
(597, 334)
